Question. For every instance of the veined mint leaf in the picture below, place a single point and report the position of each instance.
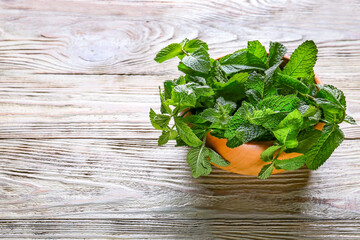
(291, 163)
(332, 112)
(256, 82)
(217, 159)
(159, 121)
(269, 73)
(288, 129)
(276, 53)
(268, 154)
(331, 137)
(194, 44)
(168, 87)
(306, 139)
(198, 160)
(302, 61)
(280, 103)
(266, 171)
(186, 134)
(168, 52)
(242, 61)
(257, 49)
(233, 89)
(183, 96)
(166, 136)
(198, 61)
(350, 119)
(332, 94)
(164, 104)
(220, 115)
(293, 83)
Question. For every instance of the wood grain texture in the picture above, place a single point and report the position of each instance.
(79, 158)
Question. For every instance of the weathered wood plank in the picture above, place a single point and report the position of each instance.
(159, 228)
(123, 37)
(78, 178)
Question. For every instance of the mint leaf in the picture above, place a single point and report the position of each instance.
(350, 119)
(242, 61)
(159, 121)
(164, 108)
(268, 154)
(332, 112)
(256, 82)
(168, 87)
(168, 52)
(257, 49)
(276, 53)
(186, 134)
(166, 136)
(220, 115)
(243, 134)
(280, 103)
(217, 159)
(291, 163)
(183, 96)
(288, 129)
(331, 137)
(198, 160)
(302, 61)
(293, 83)
(332, 94)
(198, 61)
(266, 171)
(194, 44)
(233, 89)
(306, 139)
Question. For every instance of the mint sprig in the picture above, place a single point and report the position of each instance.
(249, 95)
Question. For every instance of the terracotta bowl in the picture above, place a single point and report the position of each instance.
(245, 159)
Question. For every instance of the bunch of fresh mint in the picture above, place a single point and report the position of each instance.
(249, 95)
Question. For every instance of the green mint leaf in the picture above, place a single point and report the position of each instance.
(255, 82)
(332, 94)
(291, 163)
(289, 128)
(302, 61)
(201, 90)
(306, 139)
(269, 73)
(332, 112)
(198, 160)
(245, 133)
(168, 87)
(266, 171)
(257, 49)
(168, 52)
(183, 96)
(220, 115)
(293, 83)
(242, 61)
(164, 138)
(307, 110)
(217, 159)
(276, 53)
(331, 137)
(280, 103)
(186, 134)
(350, 119)
(159, 121)
(164, 104)
(194, 44)
(233, 89)
(198, 61)
(268, 154)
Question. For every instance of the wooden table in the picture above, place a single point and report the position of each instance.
(79, 158)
